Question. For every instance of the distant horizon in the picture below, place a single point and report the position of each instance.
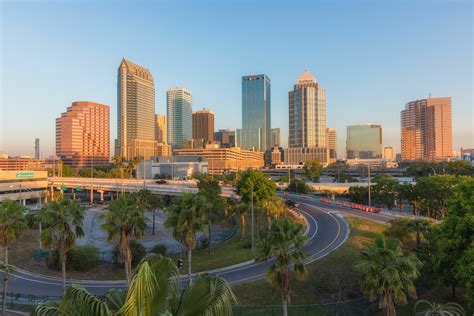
(372, 58)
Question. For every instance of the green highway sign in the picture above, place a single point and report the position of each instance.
(25, 175)
(78, 189)
(63, 188)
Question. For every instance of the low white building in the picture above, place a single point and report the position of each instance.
(175, 167)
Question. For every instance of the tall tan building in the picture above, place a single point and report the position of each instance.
(160, 128)
(203, 125)
(83, 135)
(331, 136)
(135, 112)
(426, 130)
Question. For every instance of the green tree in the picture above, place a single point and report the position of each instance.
(358, 194)
(385, 190)
(422, 169)
(215, 204)
(62, 223)
(298, 186)
(435, 193)
(186, 217)
(398, 229)
(119, 163)
(449, 242)
(273, 208)
(284, 241)
(12, 224)
(154, 290)
(387, 273)
(408, 192)
(123, 220)
(460, 168)
(312, 170)
(263, 187)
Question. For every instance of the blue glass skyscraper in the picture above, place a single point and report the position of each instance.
(256, 113)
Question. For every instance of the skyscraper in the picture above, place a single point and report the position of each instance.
(203, 125)
(37, 148)
(364, 141)
(256, 113)
(426, 130)
(179, 113)
(331, 136)
(83, 135)
(276, 137)
(389, 153)
(307, 113)
(135, 112)
(160, 128)
(225, 137)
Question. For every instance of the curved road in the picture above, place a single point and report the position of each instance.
(327, 230)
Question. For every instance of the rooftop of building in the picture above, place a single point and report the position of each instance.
(139, 70)
(306, 77)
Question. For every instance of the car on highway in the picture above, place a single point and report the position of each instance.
(291, 203)
(161, 181)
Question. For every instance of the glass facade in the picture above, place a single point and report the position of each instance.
(364, 142)
(179, 113)
(256, 113)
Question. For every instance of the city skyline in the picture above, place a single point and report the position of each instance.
(364, 80)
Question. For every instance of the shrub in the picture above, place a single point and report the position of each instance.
(203, 243)
(398, 229)
(83, 258)
(137, 249)
(159, 249)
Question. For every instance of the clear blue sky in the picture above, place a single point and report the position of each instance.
(371, 56)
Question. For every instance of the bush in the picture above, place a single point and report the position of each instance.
(137, 249)
(398, 229)
(159, 249)
(82, 258)
(31, 221)
(203, 243)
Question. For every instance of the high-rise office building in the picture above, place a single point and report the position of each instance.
(256, 113)
(426, 130)
(37, 148)
(135, 112)
(179, 113)
(160, 128)
(276, 136)
(331, 136)
(307, 113)
(203, 125)
(83, 135)
(364, 141)
(225, 137)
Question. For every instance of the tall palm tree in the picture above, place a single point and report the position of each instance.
(436, 309)
(124, 220)
(273, 208)
(12, 224)
(420, 226)
(148, 200)
(284, 241)
(186, 217)
(119, 163)
(387, 273)
(154, 291)
(241, 210)
(62, 224)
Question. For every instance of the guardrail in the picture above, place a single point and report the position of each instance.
(361, 207)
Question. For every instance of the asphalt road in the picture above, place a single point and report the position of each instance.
(327, 230)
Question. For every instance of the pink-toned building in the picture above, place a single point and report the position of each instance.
(426, 127)
(83, 135)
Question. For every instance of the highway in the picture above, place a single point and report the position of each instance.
(326, 231)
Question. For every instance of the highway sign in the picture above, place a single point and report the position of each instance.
(25, 175)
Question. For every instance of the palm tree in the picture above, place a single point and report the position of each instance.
(154, 291)
(436, 309)
(273, 208)
(124, 220)
(420, 226)
(241, 210)
(135, 163)
(387, 273)
(119, 163)
(12, 224)
(62, 223)
(186, 217)
(284, 241)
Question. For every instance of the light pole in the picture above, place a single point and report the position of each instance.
(368, 176)
(253, 214)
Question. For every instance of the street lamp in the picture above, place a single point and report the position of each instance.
(252, 214)
(368, 176)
